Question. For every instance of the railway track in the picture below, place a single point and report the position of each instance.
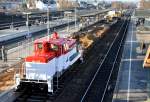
(30, 96)
(74, 82)
(77, 89)
(15, 24)
(8, 20)
(27, 95)
(100, 85)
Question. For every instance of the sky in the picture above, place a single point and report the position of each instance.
(113, 0)
(120, 0)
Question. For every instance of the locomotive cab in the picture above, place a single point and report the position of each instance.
(51, 56)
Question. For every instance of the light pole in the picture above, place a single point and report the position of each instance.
(28, 34)
(27, 23)
(96, 4)
(48, 25)
(67, 13)
(68, 24)
(12, 24)
(75, 16)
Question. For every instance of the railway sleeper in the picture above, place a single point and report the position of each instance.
(22, 98)
(37, 98)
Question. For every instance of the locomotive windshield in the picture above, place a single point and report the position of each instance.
(47, 47)
(54, 47)
(39, 46)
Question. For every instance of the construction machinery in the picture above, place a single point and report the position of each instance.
(113, 15)
(146, 63)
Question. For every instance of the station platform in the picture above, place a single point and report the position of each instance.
(132, 80)
(8, 34)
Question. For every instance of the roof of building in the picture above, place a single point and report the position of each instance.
(142, 13)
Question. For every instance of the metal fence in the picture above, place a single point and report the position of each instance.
(24, 49)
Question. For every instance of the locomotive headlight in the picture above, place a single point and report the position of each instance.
(48, 79)
(17, 80)
(50, 85)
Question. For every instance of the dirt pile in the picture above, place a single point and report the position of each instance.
(7, 77)
(86, 39)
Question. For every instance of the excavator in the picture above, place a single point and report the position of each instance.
(146, 63)
(113, 15)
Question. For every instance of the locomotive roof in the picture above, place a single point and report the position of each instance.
(59, 41)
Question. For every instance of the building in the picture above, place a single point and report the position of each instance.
(144, 4)
(10, 5)
(117, 5)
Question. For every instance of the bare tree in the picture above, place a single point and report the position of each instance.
(66, 4)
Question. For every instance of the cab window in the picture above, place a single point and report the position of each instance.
(39, 46)
(66, 47)
(54, 47)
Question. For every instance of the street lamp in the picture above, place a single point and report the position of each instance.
(12, 23)
(75, 16)
(48, 25)
(67, 13)
(28, 35)
(27, 23)
(68, 24)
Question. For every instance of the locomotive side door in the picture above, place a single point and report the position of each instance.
(65, 56)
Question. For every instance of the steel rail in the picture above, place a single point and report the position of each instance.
(114, 62)
(89, 86)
